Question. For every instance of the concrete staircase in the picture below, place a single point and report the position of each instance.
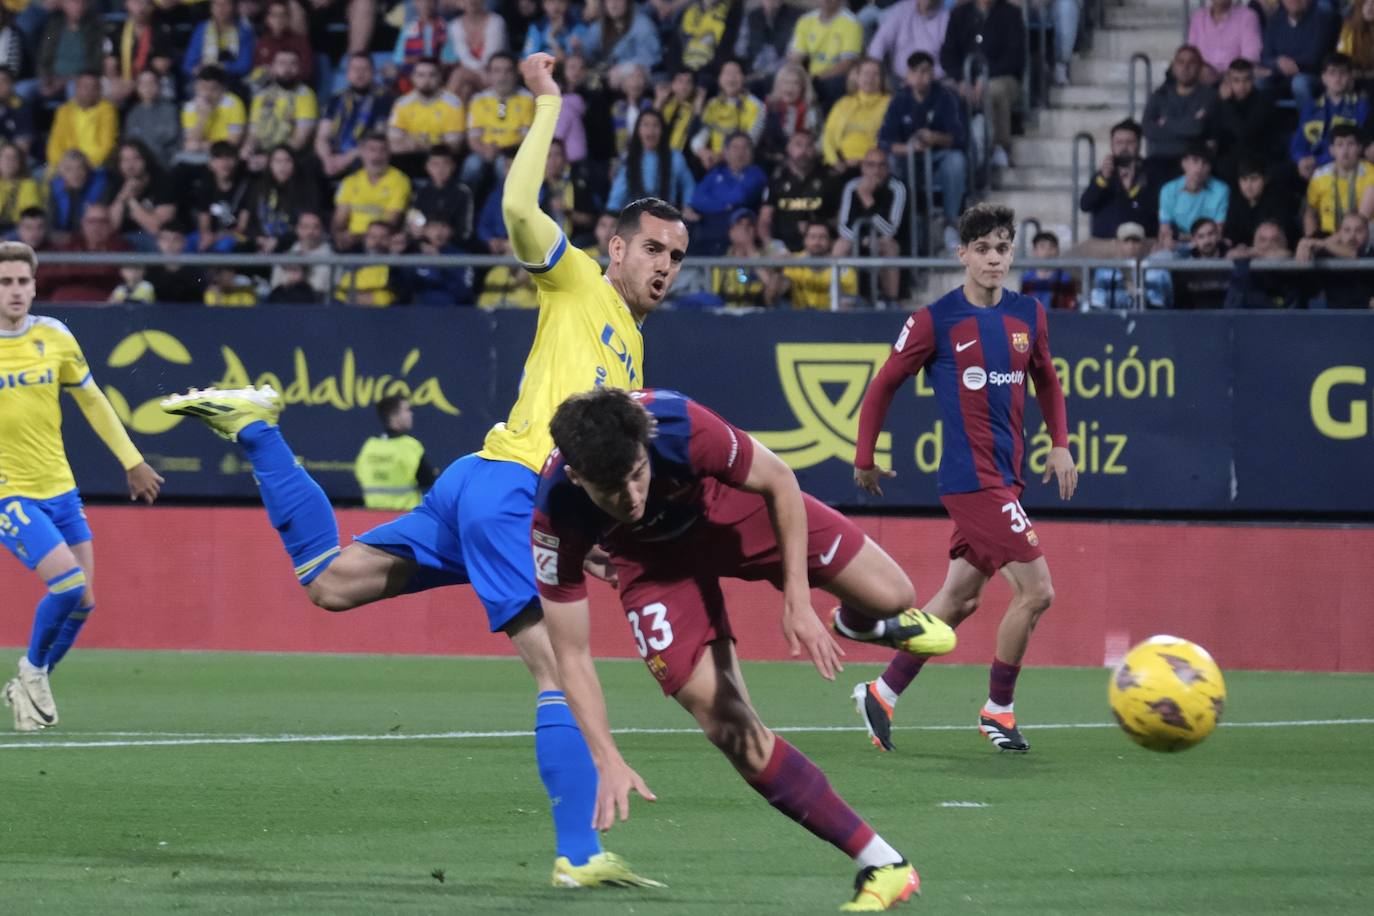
(1039, 186)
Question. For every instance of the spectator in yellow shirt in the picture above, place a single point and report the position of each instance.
(828, 40)
(284, 112)
(426, 116)
(212, 115)
(734, 109)
(810, 286)
(85, 122)
(229, 289)
(378, 192)
(18, 190)
(851, 129)
(369, 285)
(498, 119)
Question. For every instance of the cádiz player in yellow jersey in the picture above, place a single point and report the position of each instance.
(473, 526)
(41, 519)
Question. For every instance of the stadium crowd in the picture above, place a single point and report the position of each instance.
(1258, 145)
(322, 126)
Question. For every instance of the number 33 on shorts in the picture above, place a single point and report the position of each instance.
(651, 628)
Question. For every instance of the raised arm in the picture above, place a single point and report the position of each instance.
(535, 238)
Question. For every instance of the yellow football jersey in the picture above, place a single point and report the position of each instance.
(503, 122)
(431, 121)
(36, 363)
(586, 337)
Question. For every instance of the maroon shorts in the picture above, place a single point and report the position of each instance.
(671, 589)
(991, 529)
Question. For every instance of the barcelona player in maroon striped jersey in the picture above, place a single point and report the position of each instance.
(680, 499)
(977, 344)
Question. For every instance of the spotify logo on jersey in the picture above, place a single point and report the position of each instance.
(975, 378)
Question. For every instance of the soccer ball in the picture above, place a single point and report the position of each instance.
(1167, 694)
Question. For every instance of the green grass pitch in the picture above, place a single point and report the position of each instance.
(161, 793)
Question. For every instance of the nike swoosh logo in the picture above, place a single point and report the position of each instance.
(960, 348)
(830, 554)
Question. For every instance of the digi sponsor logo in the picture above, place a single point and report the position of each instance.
(26, 379)
(546, 565)
(548, 540)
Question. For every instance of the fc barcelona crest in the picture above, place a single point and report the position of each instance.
(1020, 341)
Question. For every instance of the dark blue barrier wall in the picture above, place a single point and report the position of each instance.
(1213, 412)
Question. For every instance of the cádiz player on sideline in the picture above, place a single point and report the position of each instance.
(473, 526)
(41, 518)
(977, 344)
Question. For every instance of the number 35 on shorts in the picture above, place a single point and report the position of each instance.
(651, 628)
(1019, 520)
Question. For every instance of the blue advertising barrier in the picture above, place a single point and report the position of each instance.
(1211, 412)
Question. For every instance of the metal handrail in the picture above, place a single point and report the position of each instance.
(125, 258)
(1024, 237)
(1130, 81)
(913, 215)
(1187, 18)
(1075, 191)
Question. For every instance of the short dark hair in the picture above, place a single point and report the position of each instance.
(1338, 60)
(600, 433)
(984, 219)
(1241, 65)
(223, 149)
(499, 54)
(1130, 124)
(33, 213)
(1248, 167)
(1198, 151)
(387, 407)
(443, 151)
(213, 73)
(1345, 130)
(432, 61)
(1045, 236)
(1199, 223)
(917, 58)
(627, 224)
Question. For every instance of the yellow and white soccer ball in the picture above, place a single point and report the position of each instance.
(1167, 694)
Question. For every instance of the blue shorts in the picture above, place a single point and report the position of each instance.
(473, 527)
(31, 528)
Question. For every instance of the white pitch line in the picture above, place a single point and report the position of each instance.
(36, 743)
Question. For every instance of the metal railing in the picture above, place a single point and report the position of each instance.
(928, 191)
(1076, 187)
(1025, 235)
(1131, 81)
(1083, 266)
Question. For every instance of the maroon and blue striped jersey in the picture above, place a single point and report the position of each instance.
(694, 457)
(977, 360)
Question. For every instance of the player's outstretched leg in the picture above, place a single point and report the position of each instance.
(716, 697)
(1032, 594)
(296, 505)
(876, 606)
(876, 700)
(566, 768)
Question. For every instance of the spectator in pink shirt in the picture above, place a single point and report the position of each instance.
(907, 27)
(1223, 31)
(571, 129)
